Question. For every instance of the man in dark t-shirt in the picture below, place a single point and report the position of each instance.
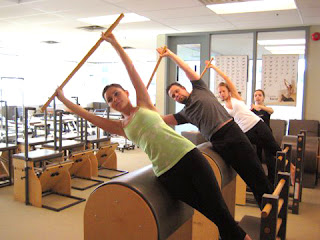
(204, 111)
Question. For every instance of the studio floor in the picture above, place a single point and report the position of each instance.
(22, 222)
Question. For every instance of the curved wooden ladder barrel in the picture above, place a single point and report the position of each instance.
(137, 206)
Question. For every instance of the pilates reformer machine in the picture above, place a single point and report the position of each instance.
(7, 149)
(136, 206)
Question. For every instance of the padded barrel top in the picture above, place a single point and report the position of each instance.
(169, 214)
(227, 173)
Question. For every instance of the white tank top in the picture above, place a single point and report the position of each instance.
(242, 115)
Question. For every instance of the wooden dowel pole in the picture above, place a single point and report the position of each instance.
(205, 69)
(285, 150)
(156, 67)
(281, 202)
(109, 30)
(266, 210)
(279, 187)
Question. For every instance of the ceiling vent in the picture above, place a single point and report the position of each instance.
(128, 47)
(50, 42)
(208, 2)
(92, 28)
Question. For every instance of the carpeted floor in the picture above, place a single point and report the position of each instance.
(22, 222)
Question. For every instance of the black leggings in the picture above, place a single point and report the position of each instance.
(261, 136)
(192, 181)
(235, 148)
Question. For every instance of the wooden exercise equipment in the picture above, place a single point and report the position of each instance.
(203, 228)
(298, 153)
(84, 167)
(48, 186)
(136, 206)
(35, 185)
(107, 162)
(67, 146)
(156, 67)
(311, 154)
(108, 32)
(6, 151)
(139, 202)
(273, 222)
(284, 158)
(107, 156)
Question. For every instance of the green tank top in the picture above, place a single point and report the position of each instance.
(160, 142)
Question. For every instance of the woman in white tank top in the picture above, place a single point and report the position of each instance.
(253, 126)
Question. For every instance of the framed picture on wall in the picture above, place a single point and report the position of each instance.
(279, 79)
(236, 68)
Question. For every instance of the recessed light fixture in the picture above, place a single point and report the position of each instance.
(282, 42)
(107, 20)
(286, 49)
(50, 42)
(252, 6)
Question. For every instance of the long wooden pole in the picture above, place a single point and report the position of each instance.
(205, 69)
(109, 30)
(156, 67)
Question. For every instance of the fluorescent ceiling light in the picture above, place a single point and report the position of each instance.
(286, 49)
(252, 6)
(108, 20)
(280, 48)
(281, 42)
(288, 52)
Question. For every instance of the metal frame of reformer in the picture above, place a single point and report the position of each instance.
(27, 168)
(6, 179)
(79, 200)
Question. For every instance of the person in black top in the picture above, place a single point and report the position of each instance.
(263, 112)
(259, 108)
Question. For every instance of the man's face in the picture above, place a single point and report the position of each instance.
(179, 94)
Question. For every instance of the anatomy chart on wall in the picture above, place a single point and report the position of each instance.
(236, 68)
(279, 79)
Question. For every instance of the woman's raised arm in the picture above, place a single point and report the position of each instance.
(232, 87)
(111, 126)
(143, 98)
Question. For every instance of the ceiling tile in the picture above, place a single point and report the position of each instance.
(147, 5)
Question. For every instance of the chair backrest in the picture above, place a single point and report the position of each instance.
(311, 126)
(279, 129)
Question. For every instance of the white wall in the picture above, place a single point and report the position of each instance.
(312, 108)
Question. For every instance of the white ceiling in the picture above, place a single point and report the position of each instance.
(25, 24)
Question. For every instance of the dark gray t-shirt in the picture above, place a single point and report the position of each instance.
(203, 110)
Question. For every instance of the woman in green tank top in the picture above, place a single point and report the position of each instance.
(177, 163)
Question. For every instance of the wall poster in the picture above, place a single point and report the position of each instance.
(279, 79)
(236, 68)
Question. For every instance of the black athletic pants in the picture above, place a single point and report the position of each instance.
(192, 181)
(235, 148)
(261, 136)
